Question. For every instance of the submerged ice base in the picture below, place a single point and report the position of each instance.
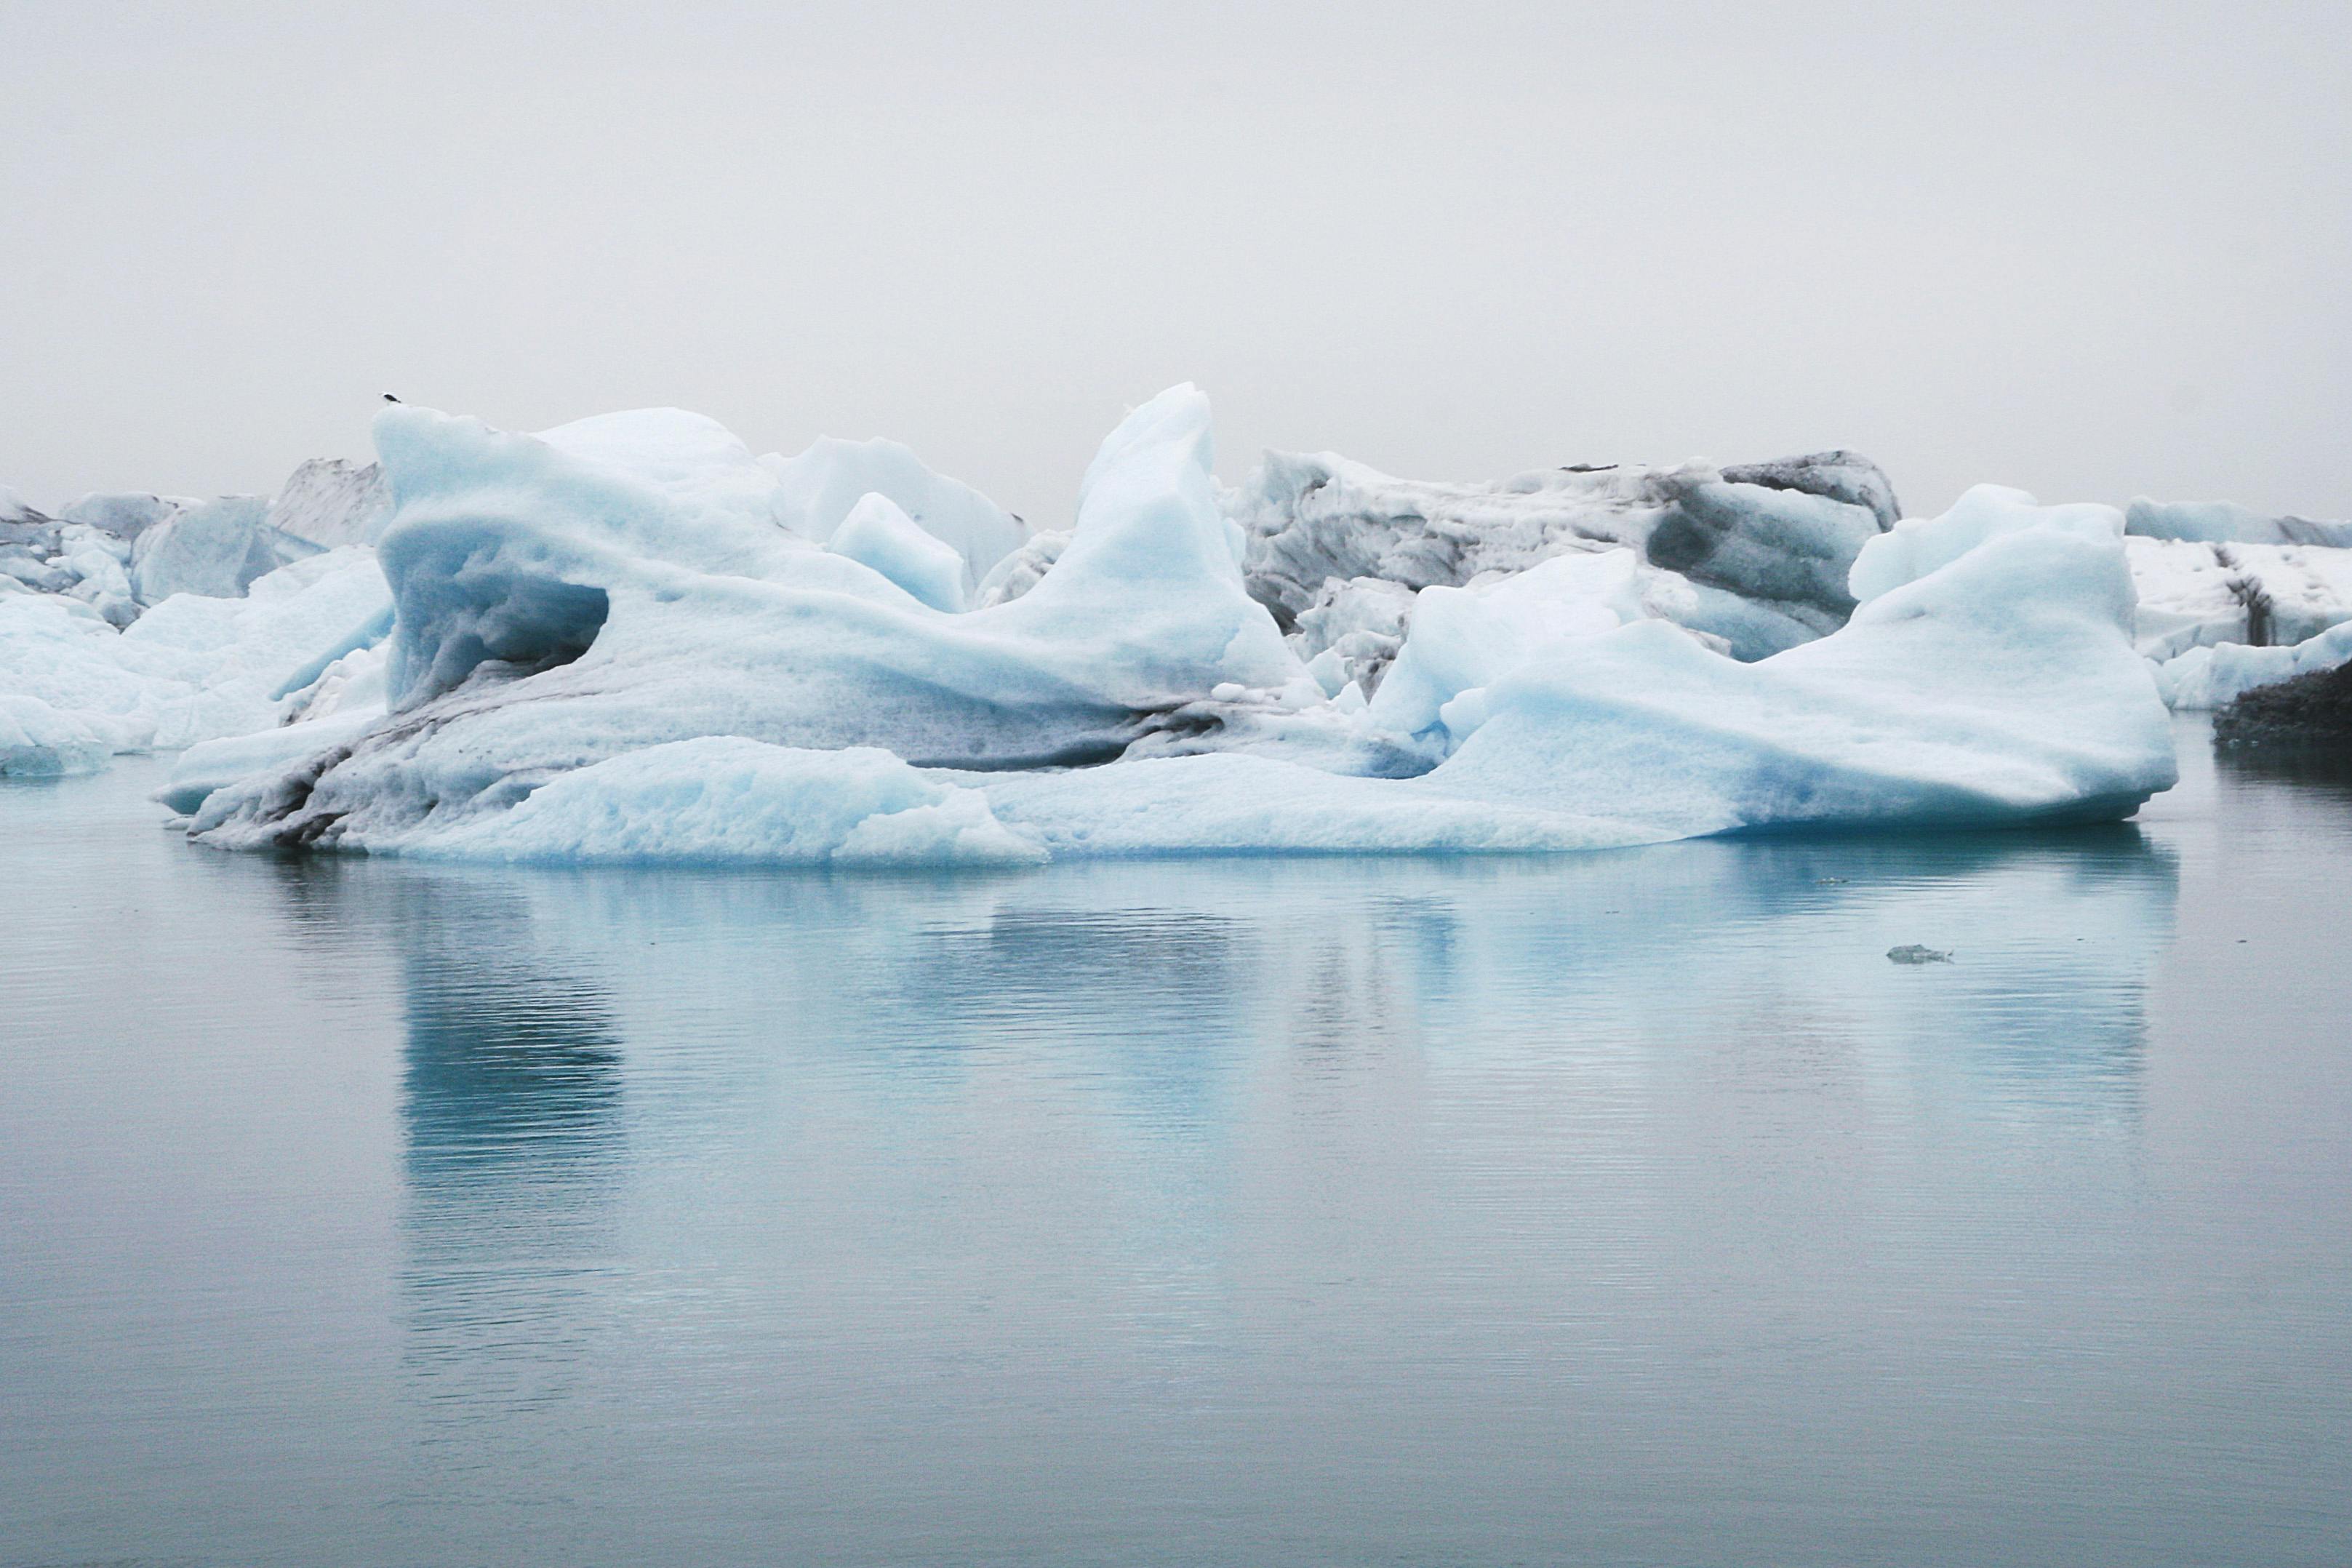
(628, 639)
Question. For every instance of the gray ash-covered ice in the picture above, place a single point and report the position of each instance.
(1755, 555)
(2213, 678)
(332, 502)
(2201, 593)
(2232, 599)
(2309, 712)
(1840, 476)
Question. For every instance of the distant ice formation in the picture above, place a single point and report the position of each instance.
(2214, 677)
(331, 503)
(2226, 522)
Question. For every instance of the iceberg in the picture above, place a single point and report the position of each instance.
(42, 554)
(877, 533)
(331, 503)
(1986, 677)
(216, 549)
(1755, 555)
(2226, 522)
(38, 740)
(2213, 677)
(124, 514)
(2309, 714)
(623, 640)
(819, 488)
(2194, 593)
(631, 581)
(194, 667)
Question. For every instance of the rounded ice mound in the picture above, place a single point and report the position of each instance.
(1462, 638)
(36, 740)
(1987, 678)
(724, 799)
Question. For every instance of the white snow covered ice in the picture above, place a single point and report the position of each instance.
(192, 668)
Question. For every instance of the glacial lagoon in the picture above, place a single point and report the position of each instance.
(1627, 1206)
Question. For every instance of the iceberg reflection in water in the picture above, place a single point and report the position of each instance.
(1629, 1207)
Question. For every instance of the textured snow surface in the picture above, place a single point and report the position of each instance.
(619, 642)
(723, 798)
(193, 668)
(2193, 594)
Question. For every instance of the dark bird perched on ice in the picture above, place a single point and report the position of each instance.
(388, 397)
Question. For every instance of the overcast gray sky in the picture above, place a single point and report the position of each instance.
(2091, 249)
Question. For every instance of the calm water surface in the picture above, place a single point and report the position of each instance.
(1624, 1208)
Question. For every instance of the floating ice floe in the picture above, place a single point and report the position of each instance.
(192, 668)
(40, 740)
(623, 640)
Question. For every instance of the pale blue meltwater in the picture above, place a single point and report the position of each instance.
(1617, 1207)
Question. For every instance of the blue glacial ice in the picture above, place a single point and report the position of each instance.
(629, 639)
